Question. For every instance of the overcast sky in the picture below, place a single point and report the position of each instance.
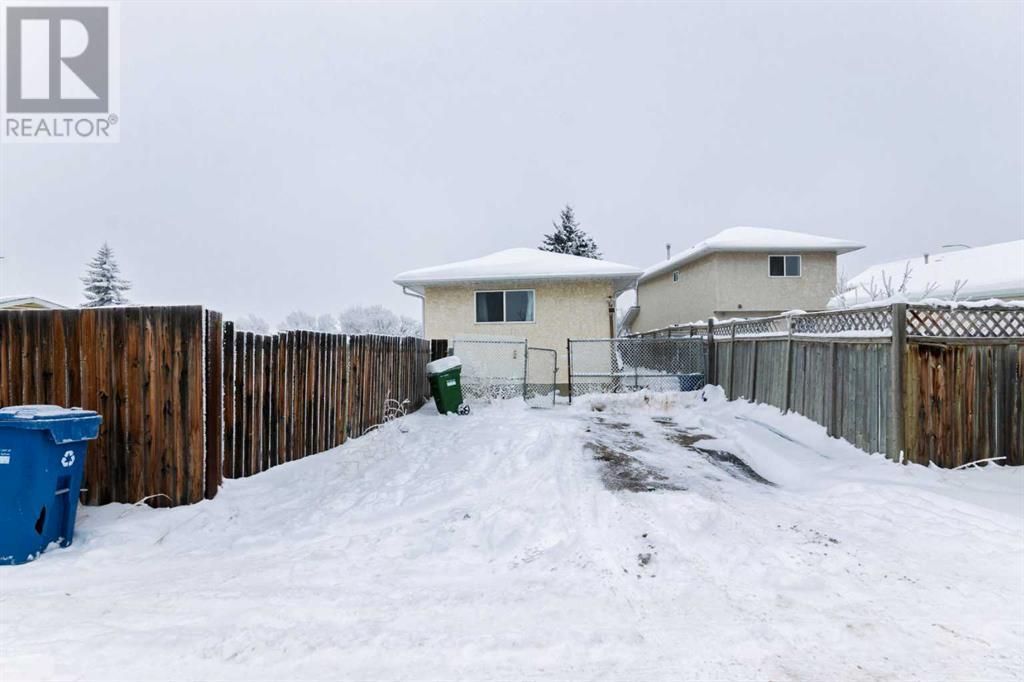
(299, 155)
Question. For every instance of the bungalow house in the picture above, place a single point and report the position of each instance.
(970, 274)
(541, 296)
(28, 303)
(739, 272)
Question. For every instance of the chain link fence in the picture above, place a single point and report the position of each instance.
(631, 364)
(495, 367)
(492, 367)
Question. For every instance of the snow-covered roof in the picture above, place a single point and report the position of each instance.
(625, 323)
(993, 271)
(752, 239)
(22, 301)
(520, 264)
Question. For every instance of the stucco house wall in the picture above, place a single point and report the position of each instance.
(734, 284)
(562, 310)
(664, 302)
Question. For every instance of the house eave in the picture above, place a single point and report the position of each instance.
(684, 259)
(12, 302)
(621, 282)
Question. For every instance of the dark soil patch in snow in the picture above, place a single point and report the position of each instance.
(733, 464)
(616, 435)
(686, 438)
(620, 427)
(727, 461)
(622, 471)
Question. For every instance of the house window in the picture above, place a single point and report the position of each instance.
(675, 275)
(490, 306)
(504, 306)
(784, 266)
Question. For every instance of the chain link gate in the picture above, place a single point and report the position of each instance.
(541, 370)
(495, 367)
(631, 364)
(492, 367)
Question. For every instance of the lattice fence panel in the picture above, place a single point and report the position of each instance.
(922, 320)
(833, 322)
(983, 323)
(759, 327)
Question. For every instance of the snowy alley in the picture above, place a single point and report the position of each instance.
(624, 537)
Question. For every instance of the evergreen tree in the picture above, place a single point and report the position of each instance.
(103, 283)
(569, 238)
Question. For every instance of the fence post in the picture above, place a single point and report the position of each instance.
(788, 365)
(526, 366)
(346, 342)
(568, 368)
(895, 444)
(753, 373)
(214, 367)
(712, 377)
(732, 357)
(830, 427)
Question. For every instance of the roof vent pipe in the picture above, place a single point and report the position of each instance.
(926, 259)
(668, 251)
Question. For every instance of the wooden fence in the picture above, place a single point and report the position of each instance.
(937, 384)
(187, 400)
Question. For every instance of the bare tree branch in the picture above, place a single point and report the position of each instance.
(841, 288)
(871, 289)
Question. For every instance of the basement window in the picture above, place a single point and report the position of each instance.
(504, 306)
(675, 275)
(784, 266)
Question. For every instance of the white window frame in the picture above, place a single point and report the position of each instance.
(532, 292)
(676, 276)
(784, 256)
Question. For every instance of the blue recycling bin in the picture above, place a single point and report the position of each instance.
(42, 458)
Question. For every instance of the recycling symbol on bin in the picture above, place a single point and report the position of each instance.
(68, 459)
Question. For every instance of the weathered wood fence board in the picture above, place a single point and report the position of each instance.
(964, 402)
(142, 368)
(188, 400)
(942, 384)
(299, 392)
(215, 418)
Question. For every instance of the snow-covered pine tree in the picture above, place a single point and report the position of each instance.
(103, 283)
(569, 238)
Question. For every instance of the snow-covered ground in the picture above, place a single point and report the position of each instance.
(657, 537)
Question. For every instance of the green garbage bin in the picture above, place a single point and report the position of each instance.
(446, 385)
